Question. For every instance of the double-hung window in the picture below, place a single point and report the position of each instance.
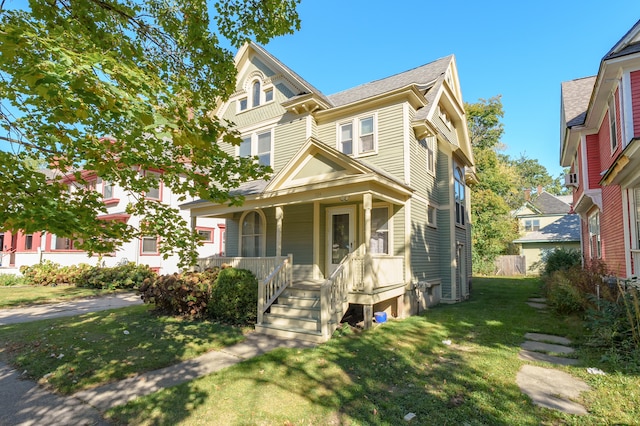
(362, 131)
(459, 192)
(258, 144)
(595, 247)
(380, 230)
(612, 124)
(155, 187)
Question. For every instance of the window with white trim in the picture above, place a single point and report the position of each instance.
(252, 237)
(636, 193)
(258, 144)
(155, 188)
(459, 192)
(362, 131)
(595, 245)
(255, 94)
(430, 146)
(532, 225)
(379, 230)
(612, 124)
(431, 216)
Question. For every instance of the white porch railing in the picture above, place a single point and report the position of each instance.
(273, 285)
(334, 293)
(260, 266)
(385, 270)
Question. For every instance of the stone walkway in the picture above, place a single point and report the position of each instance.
(549, 387)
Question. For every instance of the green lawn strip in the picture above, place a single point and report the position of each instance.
(379, 376)
(80, 352)
(11, 297)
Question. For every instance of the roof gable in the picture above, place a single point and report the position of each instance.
(316, 162)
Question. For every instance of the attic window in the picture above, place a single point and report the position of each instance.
(242, 104)
(256, 94)
(444, 117)
(268, 95)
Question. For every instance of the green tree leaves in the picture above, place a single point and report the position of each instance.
(118, 87)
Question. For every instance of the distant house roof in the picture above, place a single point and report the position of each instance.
(565, 229)
(547, 203)
(575, 99)
(425, 75)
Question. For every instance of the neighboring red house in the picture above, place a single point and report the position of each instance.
(600, 141)
(18, 249)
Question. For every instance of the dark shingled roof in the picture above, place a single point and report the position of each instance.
(550, 204)
(566, 229)
(575, 99)
(424, 75)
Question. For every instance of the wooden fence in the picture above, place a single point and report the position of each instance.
(511, 265)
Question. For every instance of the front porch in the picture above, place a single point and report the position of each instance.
(310, 309)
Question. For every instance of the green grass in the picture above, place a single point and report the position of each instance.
(357, 378)
(79, 352)
(11, 297)
(377, 377)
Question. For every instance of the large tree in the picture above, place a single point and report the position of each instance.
(118, 88)
(497, 191)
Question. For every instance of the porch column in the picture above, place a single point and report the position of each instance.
(279, 216)
(367, 201)
(194, 221)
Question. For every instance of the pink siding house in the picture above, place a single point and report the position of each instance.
(600, 141)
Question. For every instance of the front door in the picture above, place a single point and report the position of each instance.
(340, 235)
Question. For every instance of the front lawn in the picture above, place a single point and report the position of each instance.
(401, 367)
(74, 353)
(11, 297)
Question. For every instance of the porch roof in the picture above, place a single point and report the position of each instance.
(342, 178)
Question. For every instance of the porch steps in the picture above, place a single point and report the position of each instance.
(295, 315)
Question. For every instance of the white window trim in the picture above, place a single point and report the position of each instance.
(355, 125)
(263, 234)
(247, 94)
(595, 252)
(254, 143)
(613, 130)
(433, 224)
(430, 146)
(463, 222)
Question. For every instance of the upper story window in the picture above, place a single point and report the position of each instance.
(459, 192)
(255, 94)
(155, 187)
(431, 216)
(532, 225)
(430, 146)
(444, 117)
(28, 242)
(612, 124)
(258, 144)
(362, 132)
(258, 93)
(595, 246)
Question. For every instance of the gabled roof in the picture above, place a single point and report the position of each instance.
(423, 76)
(565, 229)
(547, 203)
(575, 100)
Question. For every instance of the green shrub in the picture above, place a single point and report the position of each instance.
(234, 297)
(185, 294)
(125, 276)
(44, 273)
(8, 280)
(562, 294)
(560, 259)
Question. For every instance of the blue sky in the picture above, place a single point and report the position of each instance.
(520, 50)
